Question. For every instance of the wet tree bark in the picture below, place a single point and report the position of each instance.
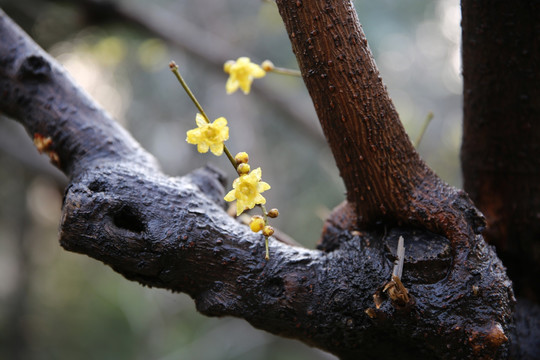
(501, 140)
(174, 233)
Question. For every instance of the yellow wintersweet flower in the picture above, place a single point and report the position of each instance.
(247, 191)
(209, 135)
(242, 72)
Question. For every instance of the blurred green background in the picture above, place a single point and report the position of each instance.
(59, 305)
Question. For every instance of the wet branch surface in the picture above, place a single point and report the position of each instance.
(173, 233)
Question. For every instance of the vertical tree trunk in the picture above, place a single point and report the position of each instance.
(501, 133)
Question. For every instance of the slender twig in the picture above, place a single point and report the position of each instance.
(265, 218)
(285, 71)
(174, 69)
(400, 253)
(428, 119)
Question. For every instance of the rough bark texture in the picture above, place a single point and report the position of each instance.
(173, 232)
(501, 139)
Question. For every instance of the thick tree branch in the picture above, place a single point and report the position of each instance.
(173, 233)
(385, 178)
(35, 87)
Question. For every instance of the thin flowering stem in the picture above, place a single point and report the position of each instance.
(269, 66)
(247, 188)
(267, 251)
(229, 156)
(285, 71)
(174, 69)
(265, 214)
(265, 218)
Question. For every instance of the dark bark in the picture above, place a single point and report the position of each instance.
(173, 232)
(501, 136)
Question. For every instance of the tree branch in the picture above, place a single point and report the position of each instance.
(173, 233)
(386, 180)
(35, 87)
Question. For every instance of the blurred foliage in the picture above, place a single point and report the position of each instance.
(58, 305)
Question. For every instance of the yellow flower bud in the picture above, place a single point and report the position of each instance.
(241, 158)
(268, 230)
(243, 169)
(273, 213)
(257, 223)
(267, 65)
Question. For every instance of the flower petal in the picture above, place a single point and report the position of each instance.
(245, 85)
(258, 173)
(259, 199)
(220, 121)
(241, 207)
(200, 120)
(217, 149)
(256, 71)
(230, 196)
(193, 136)
(243, 61)
(202, 147)
(232, 84)
(263, 186)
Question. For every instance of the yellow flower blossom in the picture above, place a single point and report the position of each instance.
(209, 135)
(247, 191)
(242, 72)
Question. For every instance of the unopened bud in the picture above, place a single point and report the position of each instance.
(257, 223)
(243, 169)
(267, 65)
(273, 213)
(268, 230)
(241, 158)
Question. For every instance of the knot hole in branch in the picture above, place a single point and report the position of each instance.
(97, 186)
(34, 67)
(275, 287)
(128, 219)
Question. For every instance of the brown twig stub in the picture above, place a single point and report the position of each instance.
(394, 289)
(397, 292)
